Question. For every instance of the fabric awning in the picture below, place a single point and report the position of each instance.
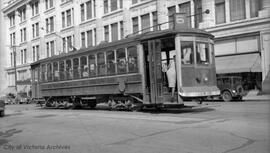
(239, 63)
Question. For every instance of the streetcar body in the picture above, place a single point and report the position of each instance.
(131, 71)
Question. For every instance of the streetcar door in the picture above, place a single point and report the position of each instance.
(155, 74)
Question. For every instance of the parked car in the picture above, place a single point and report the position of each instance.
(2, 108)
(231, 88)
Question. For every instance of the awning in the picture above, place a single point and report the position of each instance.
(239, 63)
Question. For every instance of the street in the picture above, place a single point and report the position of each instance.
(215, 127)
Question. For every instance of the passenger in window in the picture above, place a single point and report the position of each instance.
(122, 65)
(132, 64)
(198, 57)
(85, 71)
(171, 75)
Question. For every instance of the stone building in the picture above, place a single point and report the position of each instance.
(37, 29)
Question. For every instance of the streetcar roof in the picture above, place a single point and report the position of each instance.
(130, 39)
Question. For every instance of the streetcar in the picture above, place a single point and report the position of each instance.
(154, 69)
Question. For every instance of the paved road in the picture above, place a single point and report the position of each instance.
(241, 127)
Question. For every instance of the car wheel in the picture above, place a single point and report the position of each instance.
(226, 96)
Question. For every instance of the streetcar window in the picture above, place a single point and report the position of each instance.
(68, 69)
(55, 71)
(187, 51)
(49, 72)
(84, 67)
(132, 59)
(92, 65)
(101, 67)
(62, 70)
(121, 61)
(110, 63)
(43, 73)
(202, 53)
(76, 73)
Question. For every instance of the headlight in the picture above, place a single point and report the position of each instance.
(233, 91)
(205, 79)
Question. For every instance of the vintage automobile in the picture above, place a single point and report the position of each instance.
(2, 108)
(230, 87)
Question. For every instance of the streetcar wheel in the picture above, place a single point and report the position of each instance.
(226, 96)
(92, 105)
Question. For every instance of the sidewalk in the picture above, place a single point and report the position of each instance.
(254, 95)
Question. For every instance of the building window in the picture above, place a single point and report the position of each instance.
(106, 6)
(35, 30)
(23, 35)
(113, 5)
(35, 53)
(35, 8)
(82, 13)
(121, 30)
(67, 18)
(237, 10)
(171, 12)
(12, 19)
(114, 31)
(220, 11)
(11, 60)
(65, 1)
(50, 48)
(106, 33)
(23, 56)
(145, 21)
(255, 6)
(185, 8)
(88, 10)
(50, 25)
(68, 43)
(134, 1)
(89, 38)
(198, 11)
(22, 13)
(135, 25)
(83, 40)
(48, 4)
(12, 39)
(155, 21)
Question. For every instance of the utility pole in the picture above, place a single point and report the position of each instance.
(15, 68)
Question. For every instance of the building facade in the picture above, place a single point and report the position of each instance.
(38, 29)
